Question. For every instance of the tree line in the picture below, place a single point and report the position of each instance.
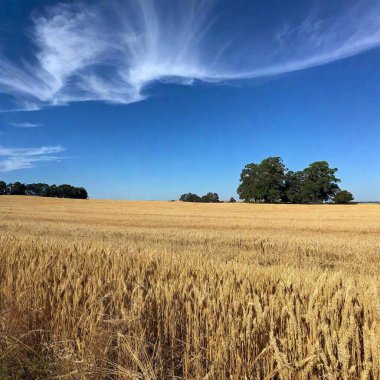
(43, 190)
(271, 182)
(208, 198)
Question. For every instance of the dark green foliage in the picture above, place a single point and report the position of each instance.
(190, 197)
(232, 200)
(343, 197)
(208, 198)
(263, 182)
(293, 187)
(37, 189)
(68, 191)
(3, 188)
(250, 189)
(43, 190)
(271, 182)
(16, 188)
(319, 183)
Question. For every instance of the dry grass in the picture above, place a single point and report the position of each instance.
(159, 290)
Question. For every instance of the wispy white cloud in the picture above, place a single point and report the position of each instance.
(26, 124)
(92, 52)
(25, 158)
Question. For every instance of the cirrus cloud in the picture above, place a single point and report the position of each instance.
(26, 158)
(26, 124)
(86, 51)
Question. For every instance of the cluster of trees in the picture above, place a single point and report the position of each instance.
(271, 182)
(43, 190)
(208, 198)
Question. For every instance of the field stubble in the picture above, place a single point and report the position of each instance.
(159, 290)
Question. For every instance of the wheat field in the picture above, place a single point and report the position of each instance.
(169, 290)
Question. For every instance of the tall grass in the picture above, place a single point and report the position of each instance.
(82, 299)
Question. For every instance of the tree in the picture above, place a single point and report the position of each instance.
(3, 188)
(68, 191)
(249, 189)
(343, 197)
(210, 198)
(263, 182)
(52, 191)
(37, 189)
(319, 183)
(293, 187)
(190, 197)
(232, 200)
(16, 188)
(81, 193)
(65, 191)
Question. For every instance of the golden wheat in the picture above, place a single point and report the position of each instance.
(159, 290)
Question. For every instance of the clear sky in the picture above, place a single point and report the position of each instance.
(151, 99)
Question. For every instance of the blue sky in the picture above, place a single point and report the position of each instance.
(151, 99)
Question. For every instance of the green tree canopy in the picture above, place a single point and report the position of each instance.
(343, 197)
(263, 182)
(190, 197)
(37, 189)
(43, 190)
(319, 183)
(210, 198)
(3, 188)
(293, 187)
(16, 188)
(270, 182)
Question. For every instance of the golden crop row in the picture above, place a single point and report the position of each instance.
(155, 290)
